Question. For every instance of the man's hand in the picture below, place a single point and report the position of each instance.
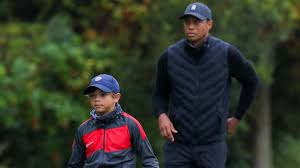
(166, 127)
(232, 124)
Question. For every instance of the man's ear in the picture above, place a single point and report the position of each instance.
(210, 24)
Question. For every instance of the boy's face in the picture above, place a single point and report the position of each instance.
(103, 102)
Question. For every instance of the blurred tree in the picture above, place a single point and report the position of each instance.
(256, 27)
(43, 70)
(286, 98)
(46, 61)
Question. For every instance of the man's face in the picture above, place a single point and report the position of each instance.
(102, 102)
(196, 31)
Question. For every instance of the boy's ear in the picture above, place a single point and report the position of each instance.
(117, 96)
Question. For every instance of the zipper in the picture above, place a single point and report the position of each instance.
(104, 139)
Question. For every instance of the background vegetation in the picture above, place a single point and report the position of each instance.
(50, 49)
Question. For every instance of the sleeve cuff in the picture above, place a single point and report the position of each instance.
(238, 116)
(158, 113)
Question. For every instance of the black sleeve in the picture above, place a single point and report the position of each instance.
(142, 145)
(241, 69)
(162, 86)
(78, 152)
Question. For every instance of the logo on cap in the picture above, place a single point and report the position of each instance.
(193, 7)
(98, 78)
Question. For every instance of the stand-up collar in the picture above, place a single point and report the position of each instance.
(106, 118)
(204, 44)
(196, 52)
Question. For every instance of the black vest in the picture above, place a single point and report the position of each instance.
(200, 82)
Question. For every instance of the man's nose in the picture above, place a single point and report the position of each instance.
(190, 25)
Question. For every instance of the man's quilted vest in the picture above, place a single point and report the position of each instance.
(200, 91)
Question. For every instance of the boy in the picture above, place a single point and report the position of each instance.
(110, 138)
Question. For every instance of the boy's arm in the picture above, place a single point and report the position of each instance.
(142, 145)
(78, 152)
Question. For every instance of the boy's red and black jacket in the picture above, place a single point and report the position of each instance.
(111, 141)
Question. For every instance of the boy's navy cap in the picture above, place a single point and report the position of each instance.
(199, 10)
(104, 82)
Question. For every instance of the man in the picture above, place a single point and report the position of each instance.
(192, 93)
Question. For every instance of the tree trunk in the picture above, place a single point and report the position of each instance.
(263, 137)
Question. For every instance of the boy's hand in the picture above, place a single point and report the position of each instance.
(232, 124)
(166, 127)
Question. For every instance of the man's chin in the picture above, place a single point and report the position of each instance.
(191, 40)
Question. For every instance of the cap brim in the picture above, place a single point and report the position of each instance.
(200, 17)
(91, 88)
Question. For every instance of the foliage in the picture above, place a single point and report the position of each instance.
(286, 100)
(50, 49)
(288, 152)
(256, 27)
(43, 72)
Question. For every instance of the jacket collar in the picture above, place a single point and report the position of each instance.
(191, 47)
(107, 118)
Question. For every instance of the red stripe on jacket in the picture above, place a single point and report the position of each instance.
(93, 141)
(142, 132)
(112, 139)
(115, 139)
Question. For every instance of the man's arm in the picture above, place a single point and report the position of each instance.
(161, 98)
(241, 69)
(162, 86)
